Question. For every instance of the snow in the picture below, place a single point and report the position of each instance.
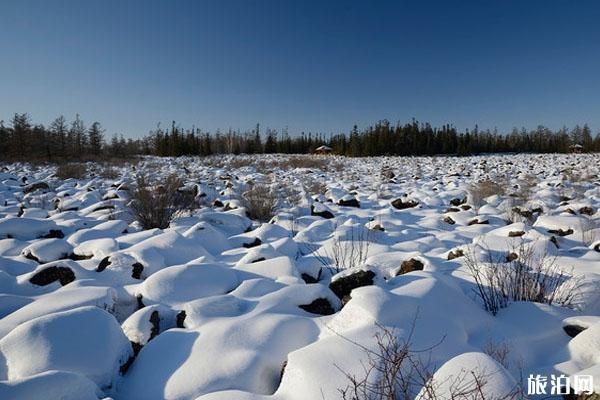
(217, 305)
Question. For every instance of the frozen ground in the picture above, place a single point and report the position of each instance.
(219, 306)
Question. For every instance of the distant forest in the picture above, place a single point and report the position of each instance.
(21, 139)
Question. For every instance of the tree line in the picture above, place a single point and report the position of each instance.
(21, 139)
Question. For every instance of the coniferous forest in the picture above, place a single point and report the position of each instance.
(22, 139)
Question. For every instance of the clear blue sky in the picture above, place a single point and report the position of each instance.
(309, 65)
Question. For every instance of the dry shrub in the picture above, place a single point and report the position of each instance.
(314, 186)
(483, 189)
(528, 277)
(155, 206)
(71, 170)
(346, 253)
(396, 371)
(260, 202)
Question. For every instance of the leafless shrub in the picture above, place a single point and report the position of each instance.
(527, 277)
(587, 227)
(499, 351)
(394, 370)
(71, 170)
(314, 186)
(525, 188)
(155, 206)
(480, 190)
(346, 253)
(260, 202)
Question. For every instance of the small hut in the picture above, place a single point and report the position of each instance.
(576, 148)
(323, 150)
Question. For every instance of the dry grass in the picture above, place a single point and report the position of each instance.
(71, 170)
(478, 191)
(529, 277)
(260, 202)
(346, 253)
(394, 370)
(155, 206)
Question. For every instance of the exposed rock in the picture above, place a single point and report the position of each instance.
(323, 214)
(586, 211)
(218, 203)
(35, 186)
(51, 274)
(561, 232)
(516, 233)
(456, 254)
(79, 257)
(344, 285)
(452, 209)
(409, 266)
(180, 318)
(137, 270)
(478, 222)
(465, 207)
(573, 330)
(349, 203)
(54, 234)
(254, 243)
(449, 220)
(511, 257)
(105, 262)
(457, 202)
(554, 240)
(319, 306)
(308, 278)
(401, 205)
(155, 321)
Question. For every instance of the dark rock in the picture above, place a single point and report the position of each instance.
(254, 243)
(258, 260)
(137, 270)
(105, 262)
(586, 211)
(282, 370)
(465, 207)
(456, 254)
(378, 227)
(308, 278)
(319, 306)
(453, 209)
(180, 319)
(401, 205)
(218, 203)
(478, 222)
(570, 211)
(54, 234)
(35, 186)
(457, 202)
(511, 257)
(449, 220)
(136, 348)
(51, 274)
(140, 301)
(516, 233)
(573, 330)
(349, 203)
(30, 256)
(155, 321)
(409, 266)
(78, 257)
(554, 240)
(323, 214)
(561, 232)
(344, 285)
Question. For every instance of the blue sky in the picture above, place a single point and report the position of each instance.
(308, 65)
